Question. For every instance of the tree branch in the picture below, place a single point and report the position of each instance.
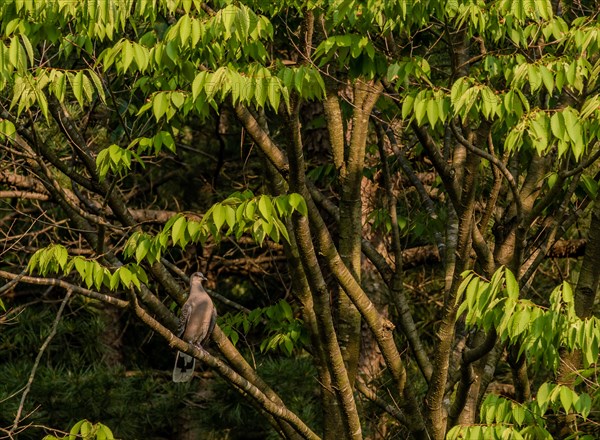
(337, 369)
(398, 295)
(65, 285)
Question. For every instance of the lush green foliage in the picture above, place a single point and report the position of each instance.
(539, 332)
(284, 330)
(240, 212)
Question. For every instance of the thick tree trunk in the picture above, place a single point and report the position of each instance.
(350, 232)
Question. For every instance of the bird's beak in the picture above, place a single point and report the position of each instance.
(203, 278)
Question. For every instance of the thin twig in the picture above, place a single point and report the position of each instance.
(494, 161)
(38, 358)
(13, 281)
(414, 181)
(211, 292)
(372, 396)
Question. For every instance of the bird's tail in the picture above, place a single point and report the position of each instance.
(184, 367)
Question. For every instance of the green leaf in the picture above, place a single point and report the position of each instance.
(250, 210)
(590, 106)
(518, 414)
(432, 112)
(265, 207)
(114, 280)
(488, 103)
(559, 79)
(519, 322)
(13, 52)
(535, 77)
(171, 222)
(282, 203)
(76, 429)
(260, 91)
(566, 397)
(218, 215)
(125, 276)
(178, 232)
(97, 83)
(128, 54)
(572, 123)
(28, 47)
(230, 216)
(140, 55)
(420, 109)
(194, 229)
(407, 106)
(288, 345)
(234, 336)
(80, 266)
(282, 229)
(287, 310)
(543, 394)
(557, 124)
(61, 255)
(547, 78)
(590, 185)
(185, 29)
(167, 140)
(273, 92)
(108, 434)
(77, 86)
(198, 84)
(160, 104)
(177, 98)
(298, 203)
(567, 293)
(11, 26)
(512, 286)
(98, 275)
(583, 405)
(466, 101)
(87, 87)
(89, 274)
(7, 129)
(140, 275)
(458, 89)
(142, 249)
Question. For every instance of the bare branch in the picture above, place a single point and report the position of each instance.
(372, 396)
(38, 358)
(65, 285)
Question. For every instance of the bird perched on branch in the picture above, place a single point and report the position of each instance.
(196, 323)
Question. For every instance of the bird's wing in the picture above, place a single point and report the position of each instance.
(186, 311)
(211, 325)
(199, 322)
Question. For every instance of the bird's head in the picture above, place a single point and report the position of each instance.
(197, 278)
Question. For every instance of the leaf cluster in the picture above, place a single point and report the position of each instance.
(539, 331)
(283, 330)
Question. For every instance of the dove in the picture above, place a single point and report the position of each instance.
(196, 324)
